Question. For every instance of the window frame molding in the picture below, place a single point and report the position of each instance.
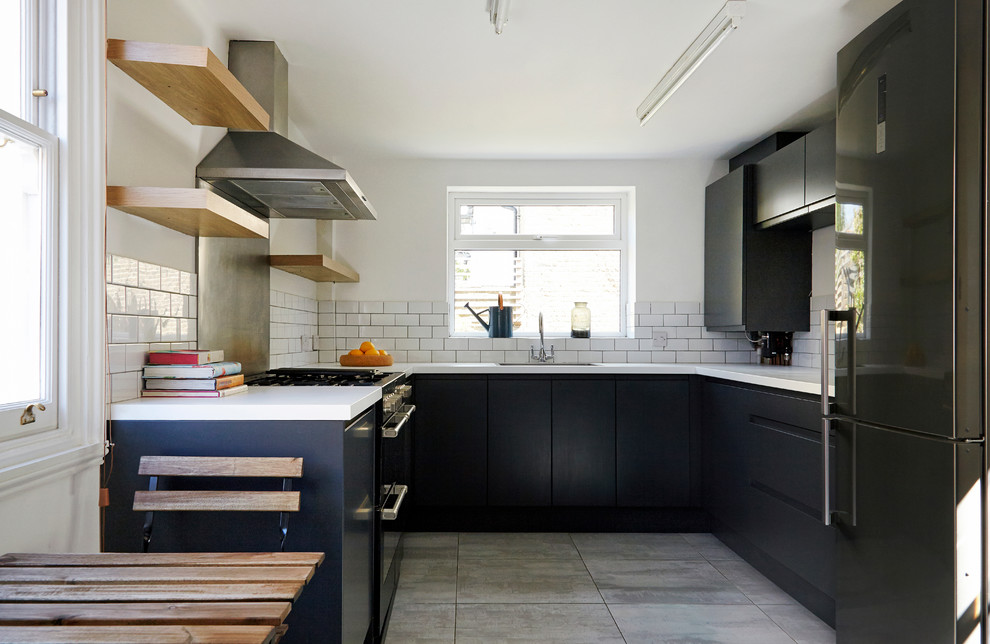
(78, 120)
(862, 196)
(622, 197)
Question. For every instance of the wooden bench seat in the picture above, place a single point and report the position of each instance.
(147, 613)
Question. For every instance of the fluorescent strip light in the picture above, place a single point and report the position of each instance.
(498, 13)
(724, 22)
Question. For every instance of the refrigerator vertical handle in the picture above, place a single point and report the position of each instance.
(826, 475)
(827, 316)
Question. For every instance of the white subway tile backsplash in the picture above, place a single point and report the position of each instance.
(688, 356)
(439, 307)
(675, 320)
(124, 271)
(371, 307)
(420, 307)
(124, 386)
(384, 319)
(641, 308)
(346, 307)
(326, 306)
(138, 301)
(432, 319)
(443, 356)
(160, 303)
(123, 329)
(407, 319)
(468, 356)
(396, 307)
(687, 332)
(149, 329)
(455, 344)
(180, 305)
(395, 332)
(614, 356)
(187, 285)
(700, 344)
(117, 358)
(419, 356)
(370, 331)
(407, 344)
(480, 344)
(430, 344)
(169, 330)
(590, 356)
(149, 276)
(639, 356)
(687, 307)
(492, 356)
(116, 298)
(602, 344)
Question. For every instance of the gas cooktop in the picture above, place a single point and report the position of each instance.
(304, 377)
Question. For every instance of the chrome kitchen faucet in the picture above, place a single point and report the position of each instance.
(542, 355)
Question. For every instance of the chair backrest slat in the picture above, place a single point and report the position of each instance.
(207, 500)
(238, 466)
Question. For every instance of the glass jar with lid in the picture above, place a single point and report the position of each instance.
(580, 320)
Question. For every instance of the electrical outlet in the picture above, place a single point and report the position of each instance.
(307, 343)
(659, 339)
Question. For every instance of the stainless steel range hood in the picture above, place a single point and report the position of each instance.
(265, 171)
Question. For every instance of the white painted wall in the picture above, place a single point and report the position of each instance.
(402, 255)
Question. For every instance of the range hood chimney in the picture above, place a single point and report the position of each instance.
(267, 173)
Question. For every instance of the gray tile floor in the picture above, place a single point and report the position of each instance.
(573, 588)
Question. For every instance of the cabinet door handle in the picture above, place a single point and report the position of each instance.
(392, 513)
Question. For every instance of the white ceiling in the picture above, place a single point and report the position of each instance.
(431, 79)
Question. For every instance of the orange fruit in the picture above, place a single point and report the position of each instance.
(382, 352)
(371, 352)
(367, 346)
(355, 352)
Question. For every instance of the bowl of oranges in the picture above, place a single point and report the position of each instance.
(367, 355)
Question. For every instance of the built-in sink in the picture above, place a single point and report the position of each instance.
(548, 364)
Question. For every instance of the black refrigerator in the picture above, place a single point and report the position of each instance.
(906, 488)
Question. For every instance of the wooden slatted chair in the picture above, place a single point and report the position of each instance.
(155, 500)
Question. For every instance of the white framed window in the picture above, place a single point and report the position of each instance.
(30, 203)
(542, 250)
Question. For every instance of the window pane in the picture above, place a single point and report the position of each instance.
(21, 254)
(534, 281)
(537, 220)
(850, 282)
(11, 86)
(849, 218)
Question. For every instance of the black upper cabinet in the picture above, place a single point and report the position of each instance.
(652, 443)
(819, 170)
(780, 182)
(754, 280)
(795, 186)
(451, 448)
(584, 442)
(518, 442)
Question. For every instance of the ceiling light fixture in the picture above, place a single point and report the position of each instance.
(724, 22)
(498, 13)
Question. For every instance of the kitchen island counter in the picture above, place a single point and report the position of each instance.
(257, 403)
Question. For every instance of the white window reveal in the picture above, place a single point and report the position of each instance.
(541, 251)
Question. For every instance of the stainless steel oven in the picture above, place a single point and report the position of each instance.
(395, 449)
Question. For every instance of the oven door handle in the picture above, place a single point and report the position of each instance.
(392, 513)
(392, 431)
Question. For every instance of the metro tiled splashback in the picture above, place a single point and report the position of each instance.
(148, 307)
(418, 332)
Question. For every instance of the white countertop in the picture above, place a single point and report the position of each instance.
(344, 403)
(257, 403)
(802, 379)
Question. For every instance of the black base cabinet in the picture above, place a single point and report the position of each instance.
(763, 487)
(557, 453)
(338, 478)
(450, 452)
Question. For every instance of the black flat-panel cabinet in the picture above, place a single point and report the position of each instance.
(755, 280)
(652, 443)
(762, 455)
(780, 182)
(819, 171)
(519, 442)
(583, 442)
(450, 453)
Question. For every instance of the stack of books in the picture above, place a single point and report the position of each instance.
(191, 374)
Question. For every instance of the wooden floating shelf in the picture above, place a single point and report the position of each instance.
(318, 268)
(193, 211)
(192, 81)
